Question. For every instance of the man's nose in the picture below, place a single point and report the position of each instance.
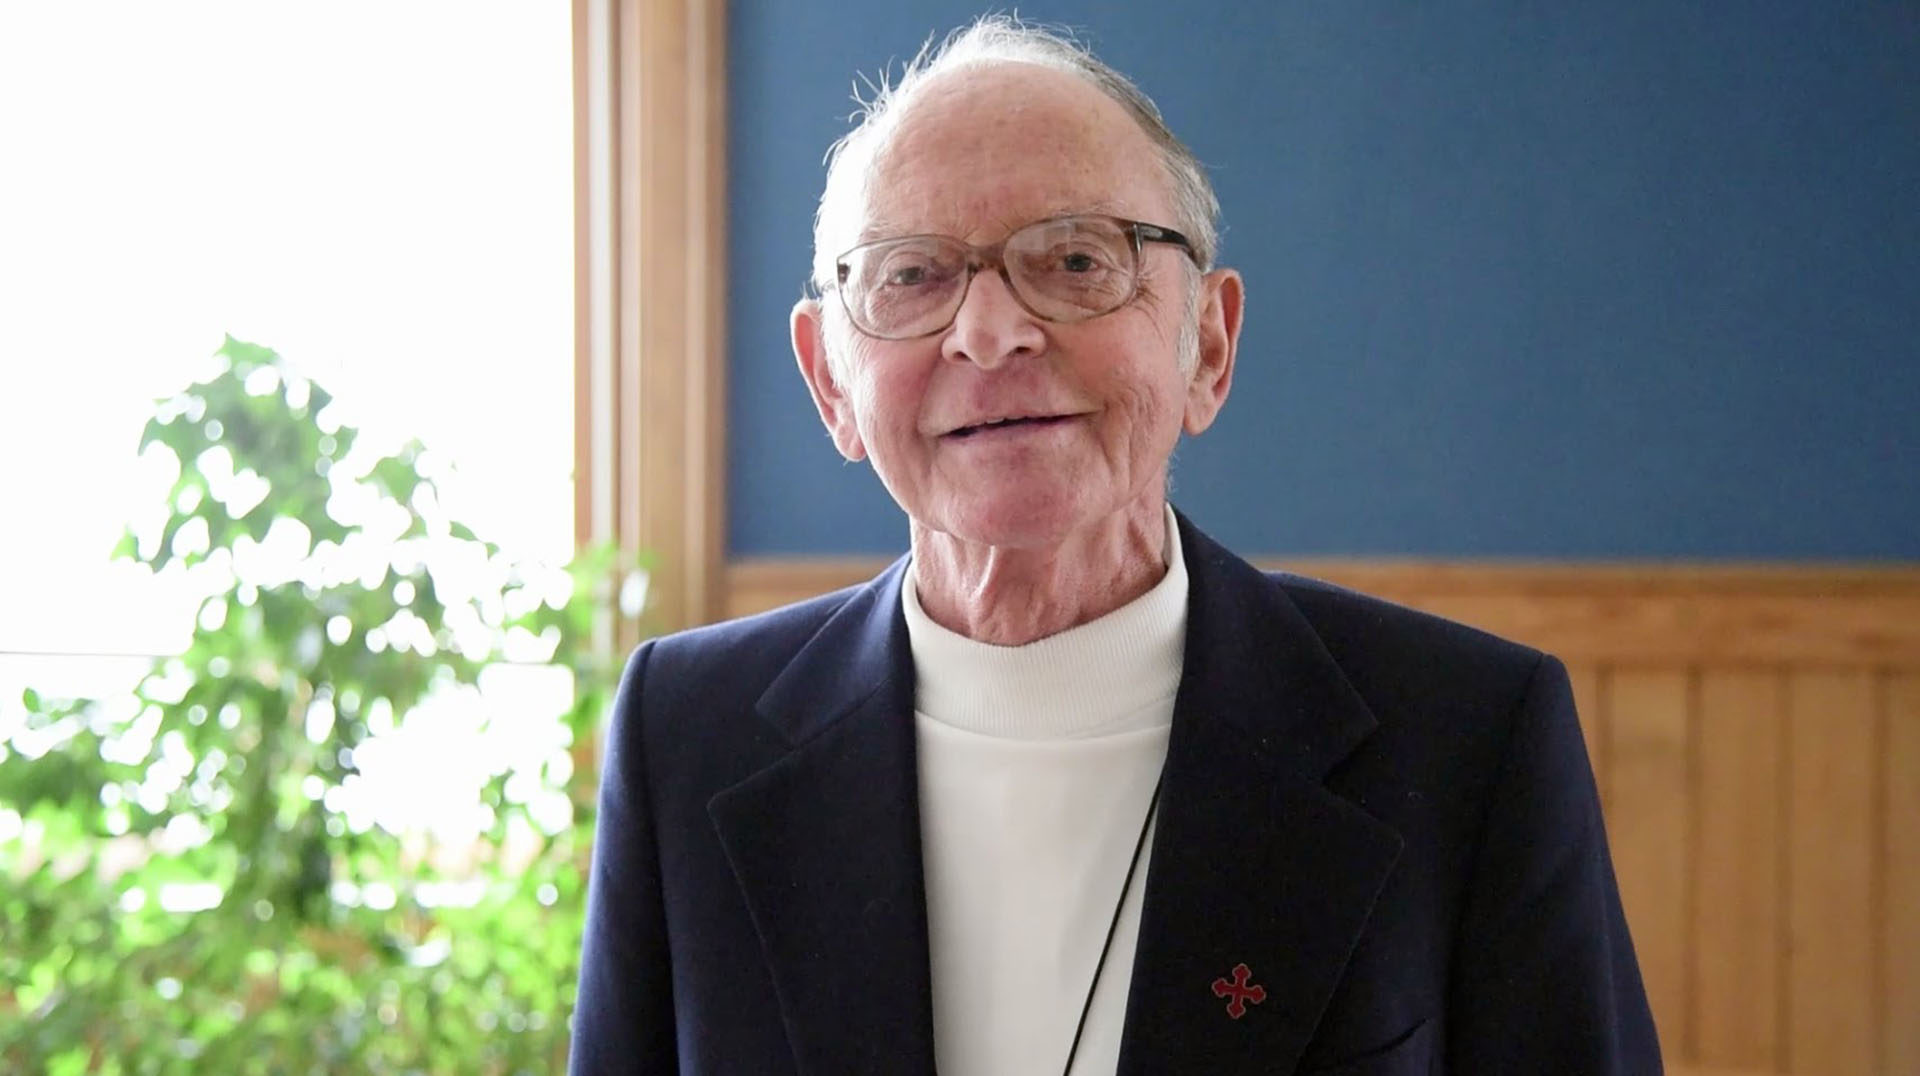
(991, 327)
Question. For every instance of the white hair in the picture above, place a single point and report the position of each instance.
(993, 39)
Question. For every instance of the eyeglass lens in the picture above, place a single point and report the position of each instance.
(1061, 270)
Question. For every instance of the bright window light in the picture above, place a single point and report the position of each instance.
(380, 191)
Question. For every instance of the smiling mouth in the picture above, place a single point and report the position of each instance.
(1008, 424)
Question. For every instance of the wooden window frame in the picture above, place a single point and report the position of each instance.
(649, 310)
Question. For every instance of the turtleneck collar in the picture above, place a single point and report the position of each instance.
(1114, 674)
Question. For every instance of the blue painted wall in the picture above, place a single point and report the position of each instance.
(1542, 280)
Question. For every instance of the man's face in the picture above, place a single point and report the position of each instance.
(1097, 405)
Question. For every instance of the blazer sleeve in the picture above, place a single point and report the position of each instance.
(1544, 977)
(623, 1012)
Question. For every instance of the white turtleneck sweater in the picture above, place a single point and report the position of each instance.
(1037, 765)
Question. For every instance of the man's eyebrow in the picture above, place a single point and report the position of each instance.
(880, 229)
(888, 229)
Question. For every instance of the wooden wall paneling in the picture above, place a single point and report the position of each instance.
(1830, 1003)
(1736, 929)
(1661, 612)
(1900, 852)
(1650, 825)
(1585, 677)
(757, 585)
(1604, 613)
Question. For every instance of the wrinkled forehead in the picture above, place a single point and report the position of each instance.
(981, 151)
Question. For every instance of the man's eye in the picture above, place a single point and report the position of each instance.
(906, 276)
(1077, 261)
(909, 269)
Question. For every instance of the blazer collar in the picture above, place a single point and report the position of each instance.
(1254, 662)
(861, 651)
(1254, 860)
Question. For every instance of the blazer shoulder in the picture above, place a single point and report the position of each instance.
(1330, 605)
(1369, 635)
(735, 657)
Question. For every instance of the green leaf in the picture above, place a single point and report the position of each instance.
(281, 976)
(395, 476)
(128, 547)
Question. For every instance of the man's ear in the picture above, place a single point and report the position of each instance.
(829, 395)
(1222, 301)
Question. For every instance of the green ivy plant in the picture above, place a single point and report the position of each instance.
(340, 596)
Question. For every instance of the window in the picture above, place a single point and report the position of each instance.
(383, 193)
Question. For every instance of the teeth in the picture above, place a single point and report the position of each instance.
(997, 423)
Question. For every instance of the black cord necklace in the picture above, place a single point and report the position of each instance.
(1113, 926)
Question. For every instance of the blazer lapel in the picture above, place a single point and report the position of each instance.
(825, 844)
(1255, 862)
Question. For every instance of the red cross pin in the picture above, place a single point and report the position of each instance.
(1238, 991)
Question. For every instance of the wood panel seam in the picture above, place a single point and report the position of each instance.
(1690, 893)
(1783, 873)
(1877, 864)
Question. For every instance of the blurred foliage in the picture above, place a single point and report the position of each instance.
(335, 607)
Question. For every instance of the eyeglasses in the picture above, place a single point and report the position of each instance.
(1063, 269)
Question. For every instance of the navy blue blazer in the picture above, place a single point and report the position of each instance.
(1388, 818)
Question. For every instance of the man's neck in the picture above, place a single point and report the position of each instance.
(1008, 596)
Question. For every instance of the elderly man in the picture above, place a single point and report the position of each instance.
(1071, 787)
